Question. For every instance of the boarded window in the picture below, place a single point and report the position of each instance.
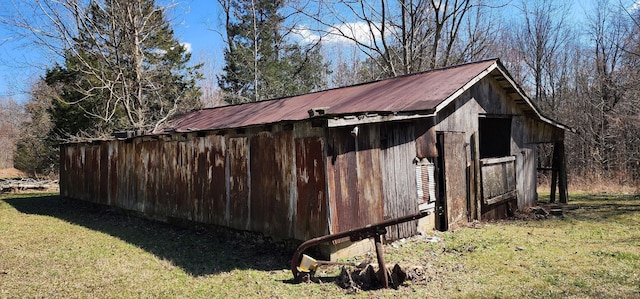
(426, 183)
(495, 137)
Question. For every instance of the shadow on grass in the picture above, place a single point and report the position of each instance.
(197, 251)
(603, 207)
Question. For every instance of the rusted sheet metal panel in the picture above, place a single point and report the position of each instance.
(215, 198)
(263, 185)
(238, 201)
(272, 178)
(370, 192)
(342, 180)
(398, 151)
(245, 182)
(286, 192)
(498, 178)
(311, 206)
(419, 92)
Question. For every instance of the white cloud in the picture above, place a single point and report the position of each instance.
(187, 47)
(346, 33)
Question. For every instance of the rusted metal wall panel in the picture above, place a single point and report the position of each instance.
(398, 151)
(311, 206)
(263, 185)
(370, 189)
(272, 183)
(215, 199)
(342, 180)
(238, 203)
(284, 208)
(241, 180)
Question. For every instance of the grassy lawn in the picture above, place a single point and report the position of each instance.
(53, 248)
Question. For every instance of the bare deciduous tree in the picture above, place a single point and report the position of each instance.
(11, 117)
(401, 37)
(128, 69)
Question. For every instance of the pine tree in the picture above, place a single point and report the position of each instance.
(261, 63)
(126, 70)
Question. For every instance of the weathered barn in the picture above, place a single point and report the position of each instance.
(461, 141)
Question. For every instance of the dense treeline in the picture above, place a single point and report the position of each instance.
(579, 64)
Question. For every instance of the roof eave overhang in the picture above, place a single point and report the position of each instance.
(374, 117)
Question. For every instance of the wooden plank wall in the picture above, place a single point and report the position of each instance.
(243, 180)
(454, 163)
(372, 177)
(399, 177)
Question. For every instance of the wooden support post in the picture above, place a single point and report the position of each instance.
(562, 172)
(554, 173)
(475, 157)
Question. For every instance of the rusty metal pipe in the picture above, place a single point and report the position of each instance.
(382, 267)
(367, 231)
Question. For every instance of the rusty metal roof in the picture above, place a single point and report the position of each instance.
(421, 92)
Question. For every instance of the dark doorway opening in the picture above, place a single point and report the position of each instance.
(495, 137)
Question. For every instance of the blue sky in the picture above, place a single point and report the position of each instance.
(196, 23)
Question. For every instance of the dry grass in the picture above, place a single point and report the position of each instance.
(11, 173)
(52, 248)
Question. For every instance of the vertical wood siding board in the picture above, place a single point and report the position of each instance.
(239, 185)
(350, 169)
(263, 184)
(189, 174)
(408, 193)
(111, 179)
(95, 174)
(161, 172)
(292, 186)
(332, 188)
(227, 184)
(123, 185)
(66, 188)
(170, 171)
(217, 200)
(62, 160)
(142, 177)
(302, 216)
(134, 158)
(179, 180)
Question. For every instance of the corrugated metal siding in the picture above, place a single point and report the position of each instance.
(247, 181)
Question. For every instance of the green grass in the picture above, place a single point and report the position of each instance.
(54, 248)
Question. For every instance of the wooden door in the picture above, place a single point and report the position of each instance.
(452, 206)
